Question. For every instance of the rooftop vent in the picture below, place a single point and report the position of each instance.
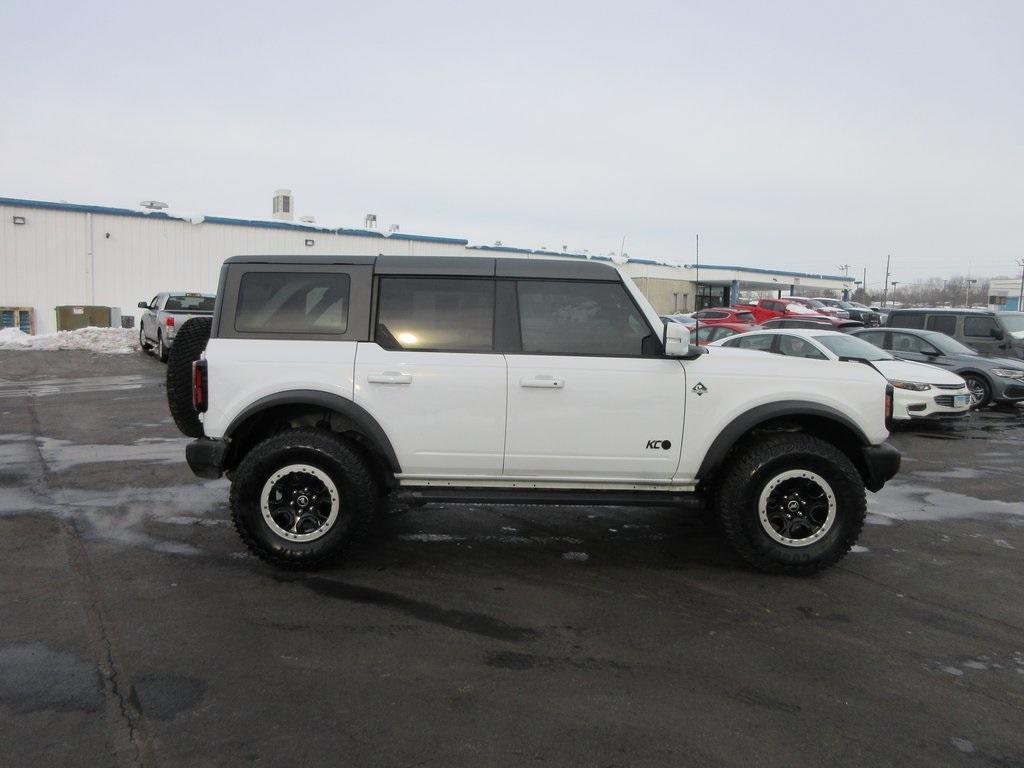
(371, 221)
(284, 205)
(153, 205)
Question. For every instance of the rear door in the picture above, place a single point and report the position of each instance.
(431, 378)
(584, 400)
(977, 334)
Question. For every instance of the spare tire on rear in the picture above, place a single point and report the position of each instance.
(188, 346)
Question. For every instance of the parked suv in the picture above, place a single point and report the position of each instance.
(329, 383)
(998, 334)
(855, 311)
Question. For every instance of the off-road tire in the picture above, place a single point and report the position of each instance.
(753, 467)
(188, 346)
(325, 451)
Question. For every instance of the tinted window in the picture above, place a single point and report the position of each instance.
(762, 341)
(942, 323)
(907, 342)
(454, 315)
(794, 346)
(292, 302)
(186, 303)
(874, 337)
(979, 326)
(578, 318)
(745, 317)
(907, 320)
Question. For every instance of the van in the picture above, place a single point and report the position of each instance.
(996, 334)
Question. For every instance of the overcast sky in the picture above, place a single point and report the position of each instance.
(790, 135)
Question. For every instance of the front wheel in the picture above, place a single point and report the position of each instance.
(981, 392)
(300, 497)
(161, 350)
(791, 503)
(142, 340)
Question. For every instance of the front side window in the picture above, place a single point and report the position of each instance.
(436, 314)
(980, 327)
(794, 346)
(942, 323)
(293, 303)
(908, 342)
(579, 318)
(762, 342)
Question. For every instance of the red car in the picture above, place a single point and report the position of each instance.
(720, 315)
(772, 309)
(708, 332)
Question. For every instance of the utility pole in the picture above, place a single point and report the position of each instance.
(845, 268)
(1020, 296)
(969, 281)
(888, 274)
(864, 285)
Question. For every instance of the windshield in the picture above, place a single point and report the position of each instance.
(947, 345)
(189, 303)
(800, 309)
(851, 346)
(1014, 323)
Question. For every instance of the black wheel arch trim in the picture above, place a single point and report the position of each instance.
(330, 402)
(762, 414)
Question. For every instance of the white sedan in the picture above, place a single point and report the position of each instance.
(919, 390)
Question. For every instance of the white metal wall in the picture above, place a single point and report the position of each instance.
(67, 257)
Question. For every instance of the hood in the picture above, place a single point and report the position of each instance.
(921, 373)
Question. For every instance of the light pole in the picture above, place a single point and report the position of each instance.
(1020, 296)
(969, 281)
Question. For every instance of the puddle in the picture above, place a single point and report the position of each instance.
(49, 387)
(916, 503)
(60, 455)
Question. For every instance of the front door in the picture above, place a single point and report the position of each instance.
(583, 399)
(431, 379)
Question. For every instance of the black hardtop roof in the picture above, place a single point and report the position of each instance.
(454, 266)
(942, 311)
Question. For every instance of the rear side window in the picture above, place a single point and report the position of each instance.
(186, 303)
(907, 320)
(979, 326)
(942, 323)
(579, 318)
(874, 337)
(299, 302)
(745, 317)
(436, 314)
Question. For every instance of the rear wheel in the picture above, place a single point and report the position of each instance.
(300, 497)
(791, 503)
(981, 392)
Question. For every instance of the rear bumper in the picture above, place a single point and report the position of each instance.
(881, 463)
(205, 457)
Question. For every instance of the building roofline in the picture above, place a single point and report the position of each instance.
(297, 226)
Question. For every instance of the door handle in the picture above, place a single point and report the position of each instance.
(390, 377)
(543, 382)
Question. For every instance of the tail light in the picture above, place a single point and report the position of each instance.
(888, 404)
(199, 387)
(170, 321)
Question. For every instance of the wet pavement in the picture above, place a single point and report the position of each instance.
(135, 629)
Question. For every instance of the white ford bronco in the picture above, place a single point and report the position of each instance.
(323, 385)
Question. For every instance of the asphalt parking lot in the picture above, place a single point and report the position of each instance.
(135, 629)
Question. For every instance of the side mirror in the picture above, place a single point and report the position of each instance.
(996, 333)
(143, 305)
(677, 340)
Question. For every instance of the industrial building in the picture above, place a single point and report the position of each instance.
(57, 254)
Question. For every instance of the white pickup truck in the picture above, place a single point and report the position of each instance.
(165, 313)
(328, 383)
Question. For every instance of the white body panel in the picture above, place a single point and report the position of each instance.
(739, 380)
(444, 412)
(241, 371)
(597, 419)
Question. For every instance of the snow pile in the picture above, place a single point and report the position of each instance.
(115, 341)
